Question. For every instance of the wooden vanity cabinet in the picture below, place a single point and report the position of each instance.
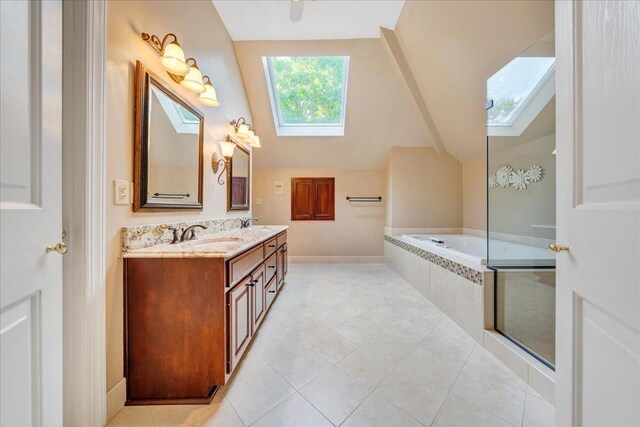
(188, 321)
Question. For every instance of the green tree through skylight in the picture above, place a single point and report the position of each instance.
(309, 88)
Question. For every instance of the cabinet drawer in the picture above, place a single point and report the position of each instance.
(270, 292)
(282, 239)
(241, 265)
(271, 264)
(270, 247)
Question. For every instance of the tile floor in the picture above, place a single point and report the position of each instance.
(356, 345)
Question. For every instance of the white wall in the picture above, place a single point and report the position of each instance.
(203, 36)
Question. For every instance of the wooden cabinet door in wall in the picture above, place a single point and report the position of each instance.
(301, 199)
(240, 320)
(324, 199)
(258, 284)
(312, 199)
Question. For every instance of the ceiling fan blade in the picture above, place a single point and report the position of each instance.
(295, 11)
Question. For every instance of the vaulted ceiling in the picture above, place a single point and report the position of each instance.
(452, 48)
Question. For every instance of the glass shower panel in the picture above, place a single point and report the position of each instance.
(521, 215)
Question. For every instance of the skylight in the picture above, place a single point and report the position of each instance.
(308, 94)
(514, 86)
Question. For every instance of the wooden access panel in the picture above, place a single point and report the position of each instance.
(312, 199)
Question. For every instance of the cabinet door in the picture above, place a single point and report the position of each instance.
(258, 284)
(240, 320)
(285, 261)
(270, 292)
(324, 199)
(280, 265)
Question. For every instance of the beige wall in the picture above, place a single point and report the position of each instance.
(426, 189)
(203, 36)
(474, 194)
(453, 47)
(358, 228)
(379, 112)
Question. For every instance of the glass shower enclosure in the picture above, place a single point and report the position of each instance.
(521, 214)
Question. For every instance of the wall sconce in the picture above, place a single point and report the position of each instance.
(182, 71)
(245, 132)
(227, 148)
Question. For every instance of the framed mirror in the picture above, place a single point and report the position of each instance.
(168, 140)
(239, 182)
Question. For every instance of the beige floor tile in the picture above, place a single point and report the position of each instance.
(335, 394)
(295, 411)
(377, 412)
(486, 363)
(257, 394)
(220, 414)
(366, 366)
(501, 400)
(457, 412)
(417, 399)
(357, 330)
(386, 344)
(448, 347)
(538, 412)
(332, 347)
(133, 416)
(430, 369)
(300, 367)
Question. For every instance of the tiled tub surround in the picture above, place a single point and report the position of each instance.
(465, 293)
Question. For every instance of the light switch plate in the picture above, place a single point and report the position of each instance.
(258, 200)
(121, 192)
(278, 187)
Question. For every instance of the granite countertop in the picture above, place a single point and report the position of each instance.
(225, 244)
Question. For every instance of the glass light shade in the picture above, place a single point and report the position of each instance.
(193, 80)
(255, 142)
(243, 131)
(227, 148)
(173, 60)
(209, 97)
(250, 135)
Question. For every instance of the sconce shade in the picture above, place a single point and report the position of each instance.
(255, 142)
(243, 131)
(173, 60)
(193, 80)
(209, 96)
(250, 135)
(227, 148)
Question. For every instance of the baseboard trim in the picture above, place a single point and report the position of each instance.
(337, 259)
(116, 398)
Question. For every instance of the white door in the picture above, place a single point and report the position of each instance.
(598, 208)
(30, 213)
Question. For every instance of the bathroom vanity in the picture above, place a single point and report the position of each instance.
(192, 308)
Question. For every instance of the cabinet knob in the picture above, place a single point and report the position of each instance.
(271, 266)
(272, 292)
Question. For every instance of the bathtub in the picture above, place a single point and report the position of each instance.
(473, 249)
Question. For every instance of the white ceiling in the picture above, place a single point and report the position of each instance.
(321, 19)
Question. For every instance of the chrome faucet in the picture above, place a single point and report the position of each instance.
(189, 233)
(246, 223)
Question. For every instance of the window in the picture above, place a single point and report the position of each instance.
(313, 199)
(308, 94)
(513, 87)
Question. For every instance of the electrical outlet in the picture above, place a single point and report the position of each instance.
(281, 200)
(258, 200)
(121, 192)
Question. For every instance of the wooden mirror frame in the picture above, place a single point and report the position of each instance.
(246, 207)
(144, 78)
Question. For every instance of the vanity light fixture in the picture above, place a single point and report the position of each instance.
(209, 96)
(246, 132)
(227, 148)
(182, 71)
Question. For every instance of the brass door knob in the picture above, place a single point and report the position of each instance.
(60, 248)
(557, 248)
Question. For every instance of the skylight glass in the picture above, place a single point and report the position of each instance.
(308, 93)
(186, 115)
(514, 85)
